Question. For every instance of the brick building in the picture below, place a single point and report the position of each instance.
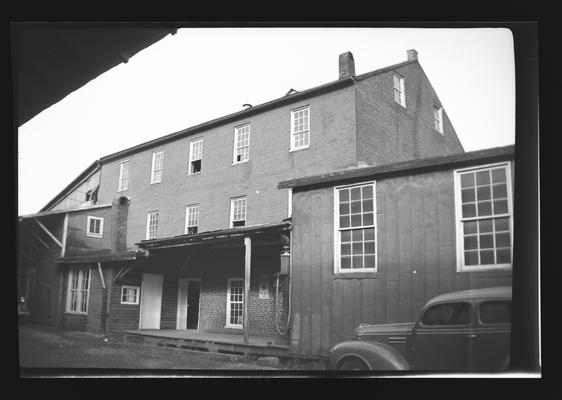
(178, 232)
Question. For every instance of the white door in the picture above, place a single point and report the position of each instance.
(182, 304)
(151, 301)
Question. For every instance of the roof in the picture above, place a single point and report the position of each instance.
(500, 292)
(95, 257)
(213, 236)
(287, 98)
(401, 168)
(55, 212)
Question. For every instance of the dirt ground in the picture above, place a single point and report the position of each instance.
(50, 351)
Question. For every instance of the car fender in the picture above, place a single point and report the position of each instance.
(378, 356)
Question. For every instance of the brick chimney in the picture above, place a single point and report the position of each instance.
(347, 65)
(412, 55)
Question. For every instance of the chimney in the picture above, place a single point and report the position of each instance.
(412, 55)
(347, 65)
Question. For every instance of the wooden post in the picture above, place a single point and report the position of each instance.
(64, 233)
(247, 267)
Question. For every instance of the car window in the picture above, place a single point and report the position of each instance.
(495, 312)
(447, 314)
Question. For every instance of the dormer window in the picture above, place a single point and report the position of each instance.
(399, 95)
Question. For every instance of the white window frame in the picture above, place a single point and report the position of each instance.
(461, 267)
(229, 302)
(438, 118)
(337, 231)
(237, 131)
(294, 112)
(191, 159)
(232, 201)
(148, 214)
(154, 170)
(400, 89)
(79, 289)
(188, 218)
(123, 187)
(93, 234)
(137, 297)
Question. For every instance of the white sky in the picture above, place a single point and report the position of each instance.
(204, 73)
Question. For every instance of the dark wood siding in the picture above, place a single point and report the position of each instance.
(416, 261)
(124, 316)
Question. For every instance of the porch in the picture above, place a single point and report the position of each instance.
(210, 342)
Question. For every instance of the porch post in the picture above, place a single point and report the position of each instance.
(247, 266)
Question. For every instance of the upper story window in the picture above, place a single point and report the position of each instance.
(237, 212)
(152, 225)
(191, 219)
(355, 235)
(77, 291)
(483, 217)
(124, 176)
(157, 167)
(300, 128)
(399, 95)
(94, 226)
(195, 156)
(241, 144)
(438, 118)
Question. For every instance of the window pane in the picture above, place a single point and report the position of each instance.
(484, 208)
(495, 312)
(344, 194)
(502, 224)
(369, 234)
(367, 192)
(357, 235)
(356, 220)
(502, 240)
(367, 205)
(355, 207)
(470, 242)
(483, 177)
(369, 261)
(369, 247)
(469, 210)
(368, 219)
(485, 225)
(498, 175)
(504, 256)
(357, 248)
(467, 180)
(357, 262)
(345, 222)
(487, 257)
(500, 207)
(346, 262)
(344, 208)
(486, 241)
(356, 193)
(470, 227)
(345, 249)
(471, 258)
(500, 191)
(468, 195)
(483, 193)
(346, 236)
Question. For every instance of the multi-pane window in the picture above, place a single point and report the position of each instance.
(151, 225)
(238, 212)
(438, 118)
(157, 167)
(241, 144)
(94, 226)
(191, 218)
(130, 294)
(77, 293)
(356, 228)
(235, 303)
(399, 95)
(484, 220)
(124, 176)
(300, 128)
(195, 156)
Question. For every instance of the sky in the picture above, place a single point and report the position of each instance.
(200, 74)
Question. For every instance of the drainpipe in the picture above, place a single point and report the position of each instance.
(247, 266)
(103, 302)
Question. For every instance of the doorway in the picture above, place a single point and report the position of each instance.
(151, 301)
(189, 295)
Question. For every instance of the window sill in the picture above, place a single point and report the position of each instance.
(240, 162)
(130, 304)
(299, 148)
(153, 183)
(94, 236)
(193, 173)
(76, 313)
(501, 269)
(234, 327)
(356, 275)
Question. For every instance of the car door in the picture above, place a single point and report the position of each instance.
(492, 338)
(441, 338)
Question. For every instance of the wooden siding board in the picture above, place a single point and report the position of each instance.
(326, 269)
(337, 310)
(348, 311)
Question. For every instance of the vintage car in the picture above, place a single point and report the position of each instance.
(467, 330)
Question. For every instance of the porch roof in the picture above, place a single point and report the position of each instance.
(95, 257)
(210, 237)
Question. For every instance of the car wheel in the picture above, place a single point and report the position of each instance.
(353, 364)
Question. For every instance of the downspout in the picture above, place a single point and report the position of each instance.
(103, 302)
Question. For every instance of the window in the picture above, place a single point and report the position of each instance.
(157, 167)
(495, 312)
(483, 217)
(355, 236)
(235, 303)
(191, 218)
(438, 118)
(447, 314)
(241, 144)
(151, 225)
(124, 176)
(94, 226)
(78, 290)
(195, 156)
(237, 212)
(399, 95)
(130, 294)
(300, 128)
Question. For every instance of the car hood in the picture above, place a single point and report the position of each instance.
(382, 329)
